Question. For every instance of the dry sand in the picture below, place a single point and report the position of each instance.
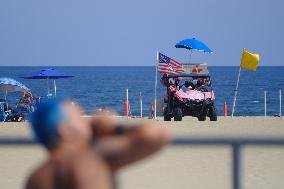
(175, 167)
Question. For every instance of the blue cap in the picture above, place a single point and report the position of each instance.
(45, 122)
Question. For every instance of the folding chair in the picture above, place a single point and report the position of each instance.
(4, 115)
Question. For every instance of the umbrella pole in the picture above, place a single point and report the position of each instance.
(54, 88)
(47, 81)
(6, 94)
(6, 99)
(190, 54)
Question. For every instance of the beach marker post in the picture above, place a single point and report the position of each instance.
(265, 103)
(126, 105)
(141, 105)
(225, 109)
(280, 103)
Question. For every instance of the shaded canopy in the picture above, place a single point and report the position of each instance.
(49, 73)
(193, 44)
(11, 85)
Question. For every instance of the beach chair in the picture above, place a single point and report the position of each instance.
(4, 114)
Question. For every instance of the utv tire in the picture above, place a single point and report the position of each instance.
(212, 114)
(202, 118)
(177, 114)
(167, 118)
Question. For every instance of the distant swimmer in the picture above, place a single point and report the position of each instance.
(86, 154)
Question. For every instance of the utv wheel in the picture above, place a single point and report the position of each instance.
(202, 118)
(167, 118)
(212, 114)
(177, 114)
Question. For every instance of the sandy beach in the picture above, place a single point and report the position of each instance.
(174, 167)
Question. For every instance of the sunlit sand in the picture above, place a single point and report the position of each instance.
(175, 167)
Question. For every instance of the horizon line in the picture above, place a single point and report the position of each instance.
(124, 66)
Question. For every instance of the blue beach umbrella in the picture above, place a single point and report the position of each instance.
(47, 74)
(193, 44)
(11, 85)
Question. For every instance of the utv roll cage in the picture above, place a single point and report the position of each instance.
(188, 75)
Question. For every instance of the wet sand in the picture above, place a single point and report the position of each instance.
(174, 167)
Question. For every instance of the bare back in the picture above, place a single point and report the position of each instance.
(72, 170)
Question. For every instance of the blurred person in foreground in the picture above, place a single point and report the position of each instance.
(86, 154)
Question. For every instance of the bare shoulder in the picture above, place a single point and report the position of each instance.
(40, 178)
(32, 182)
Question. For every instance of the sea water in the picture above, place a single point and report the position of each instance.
(104, 87)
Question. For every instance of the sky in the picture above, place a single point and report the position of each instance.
(129, 32)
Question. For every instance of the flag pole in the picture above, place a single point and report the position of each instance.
(236, 92)
(156, 80)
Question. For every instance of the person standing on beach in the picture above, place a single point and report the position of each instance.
(86, 154)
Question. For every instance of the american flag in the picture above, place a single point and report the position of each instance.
(169, 66)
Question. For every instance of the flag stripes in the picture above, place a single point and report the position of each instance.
(169, 66)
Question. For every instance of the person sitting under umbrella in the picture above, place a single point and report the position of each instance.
(25, 105)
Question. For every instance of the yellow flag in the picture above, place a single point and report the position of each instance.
(249, 60)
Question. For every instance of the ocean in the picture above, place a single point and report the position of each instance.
(104, 87)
